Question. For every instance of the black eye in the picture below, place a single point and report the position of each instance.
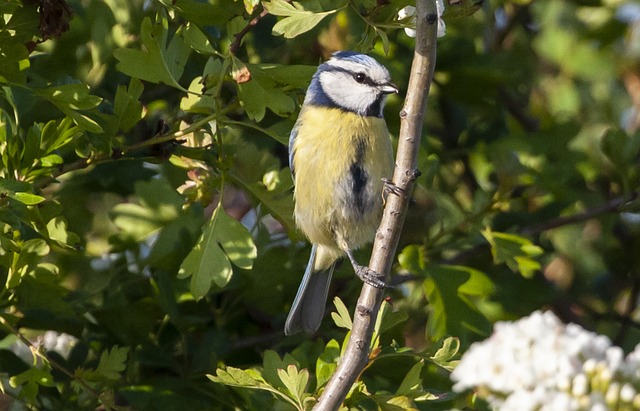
(360, 77)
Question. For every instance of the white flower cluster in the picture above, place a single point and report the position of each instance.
(540, 364)
(410, 12)
(51, 341)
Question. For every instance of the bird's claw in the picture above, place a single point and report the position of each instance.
(391, 188)
(371, 277)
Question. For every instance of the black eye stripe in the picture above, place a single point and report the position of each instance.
(365, 79)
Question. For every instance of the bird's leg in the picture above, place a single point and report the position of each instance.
(366, 274)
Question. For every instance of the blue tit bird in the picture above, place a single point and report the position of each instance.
(339, 154)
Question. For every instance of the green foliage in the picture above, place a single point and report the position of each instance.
(146, 209)
(223, 241)
(290, 384)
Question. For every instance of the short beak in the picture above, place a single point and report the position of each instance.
(388, 88)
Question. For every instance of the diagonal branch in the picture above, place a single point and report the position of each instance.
(233, 48)
(356, 354)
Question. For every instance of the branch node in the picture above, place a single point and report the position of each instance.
(362, 310)
(362, 345)
(414, 174)
(432, 18)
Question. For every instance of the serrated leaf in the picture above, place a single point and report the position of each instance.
(223, 240)
(156, 62)
(295, 381)
(342, 318)
(271, 363)
(513, 250)
(112, 363)
(236, 377)
(297, 19)
(126, 105)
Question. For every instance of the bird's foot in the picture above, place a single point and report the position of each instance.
(370, 277)
(391, 188)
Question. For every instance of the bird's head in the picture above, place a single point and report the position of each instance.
(353, 82)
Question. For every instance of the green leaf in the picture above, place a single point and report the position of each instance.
(15, 58)
(113, 363)
(195, 102)
(159, 205)
(260, 92)
(71, 99)
(236, 377)
(342, 318)
(127, 108)
(297, 19)
(445, 354)
(223, 241)
(57, 231)
(27, 198)
(197, 40)
(26, 260)
(619, 147)
(30, 381)
(295, 381)
(156, 62)
(327, 363)
(253, 171)
(447, 289)
(56, 135)
(515, 251)
(297, 76)
(412, 382)
(271, 363)
(412, 258)
(210, 13)
(388, 318)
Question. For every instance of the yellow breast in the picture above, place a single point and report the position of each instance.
(327, 145)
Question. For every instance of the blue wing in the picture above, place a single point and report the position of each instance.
(292, 137)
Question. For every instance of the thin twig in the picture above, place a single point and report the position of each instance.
(615, 205)
(233, 48)
(356, 354)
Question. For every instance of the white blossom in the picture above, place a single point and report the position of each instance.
(410, 12)
(540, 364)
(61, 343)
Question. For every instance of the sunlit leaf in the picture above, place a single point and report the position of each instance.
(223, 241)
(515, 251)
(157, 61)
(297, 19)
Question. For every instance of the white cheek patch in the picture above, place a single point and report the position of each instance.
(345, 92)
